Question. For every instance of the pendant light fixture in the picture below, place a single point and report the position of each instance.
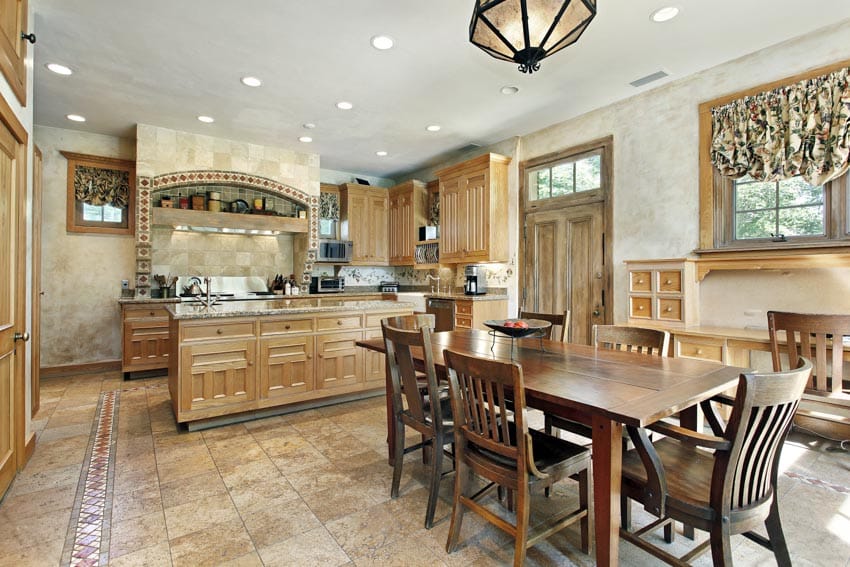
(526, 31)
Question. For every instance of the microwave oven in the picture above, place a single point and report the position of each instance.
(337, 251)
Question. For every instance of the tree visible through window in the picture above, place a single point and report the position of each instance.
(566, 178)
(778, 209)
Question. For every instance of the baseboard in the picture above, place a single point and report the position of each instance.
(29, 448)
(87, 368)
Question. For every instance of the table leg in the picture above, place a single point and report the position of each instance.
(607, 469)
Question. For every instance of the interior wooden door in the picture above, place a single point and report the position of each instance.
(564, 266)
(12, 299)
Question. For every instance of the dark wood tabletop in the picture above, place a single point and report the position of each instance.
(603, 388)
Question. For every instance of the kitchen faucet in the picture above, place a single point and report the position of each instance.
(209, 301)
(437, 278)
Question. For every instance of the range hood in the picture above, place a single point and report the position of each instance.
(228, 223)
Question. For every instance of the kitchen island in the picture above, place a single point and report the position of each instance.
(244, 359)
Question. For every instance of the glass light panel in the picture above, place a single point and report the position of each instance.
(540, 183)
(112, 214)
(802, 221)
(562, 179)
(589, 173)
(92, 213)
(757, 224)
(572, 18)
(750, 194)
(796, 191)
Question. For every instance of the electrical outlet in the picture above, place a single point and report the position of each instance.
(125, 284)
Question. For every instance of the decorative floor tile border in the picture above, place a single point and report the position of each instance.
(87, 542)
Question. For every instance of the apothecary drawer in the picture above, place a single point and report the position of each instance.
(640, 281)
(336, 323)
(462, 322)
(670, 281)
(286, 327)
(701, 350)
(670, 309)
(145, 313)
(218, 331)
(463, 308)
(640, 307)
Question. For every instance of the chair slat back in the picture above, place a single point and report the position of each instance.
(402, 345)
(819, 338)
(480, 405)
(761, 418)
(557, 319)
(411, 322)
(632, 339)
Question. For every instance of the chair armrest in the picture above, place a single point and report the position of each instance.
(724, 399)
(655, 491)
(690, 437)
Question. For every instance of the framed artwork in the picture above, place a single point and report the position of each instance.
(101, 194)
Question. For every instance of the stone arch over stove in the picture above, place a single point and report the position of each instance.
(305, 248)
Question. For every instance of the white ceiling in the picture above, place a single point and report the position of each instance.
(164, 62)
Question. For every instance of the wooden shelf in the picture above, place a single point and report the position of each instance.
(431, 241)
(220, 222)
(426, 266)
(835, 257)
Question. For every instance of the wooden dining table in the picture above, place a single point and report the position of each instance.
(603, 388)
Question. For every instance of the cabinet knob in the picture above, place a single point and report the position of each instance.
(250, 363)
(287, 327)
(320, 355)
(699, 351)
(668, 282)
(640, 281)
(152, 313)
(339, 321)
(218, 331)
(669, 309)
(640, 307)
(309, 357)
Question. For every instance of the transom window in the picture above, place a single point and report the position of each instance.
(576, 174)
(778, 210)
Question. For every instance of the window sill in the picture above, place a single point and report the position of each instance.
(788, 257)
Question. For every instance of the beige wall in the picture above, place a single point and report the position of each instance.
(656, 195)
(81, 273)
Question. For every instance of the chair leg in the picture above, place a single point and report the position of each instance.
(462, 478)
(721, 550)
(547, 424)
(523, 511)
(777, 537)
(584, 502)
(398, 457)
(436, 473)
(670, 532)
(625, 512)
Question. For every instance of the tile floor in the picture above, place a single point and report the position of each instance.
(310, 488)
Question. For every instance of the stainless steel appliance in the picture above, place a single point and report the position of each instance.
(389, 287)
(327, 284)
(224, 288)
(444, 313)
(476, 281)
(337, 251)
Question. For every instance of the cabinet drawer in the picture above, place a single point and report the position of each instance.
(341, 322)
(463, 307)
(463, 322)
(218, 331)
(374, 319)
(640, 281)
(640, 307)
(145, 313)
(670, 281)
(286, 327)
(670, 309)
(701, 350)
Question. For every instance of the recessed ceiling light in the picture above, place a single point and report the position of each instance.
(206, 119)
(251, 81)
(59, 69)
(381, 153)
(309, 125)
(509, 90)
(76, 118)
(305, 139)
(382, 42)
(433, 128)
(664, 14)
(344, 105)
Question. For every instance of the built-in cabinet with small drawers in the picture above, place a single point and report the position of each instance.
(471, 314)
(224, 366)
(145, 343)
(663, 291)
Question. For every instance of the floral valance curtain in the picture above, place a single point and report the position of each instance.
(98, 186)
(329, 206)
(799, 129)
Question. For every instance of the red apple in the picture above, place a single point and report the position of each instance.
(521, 325)
(509, 323)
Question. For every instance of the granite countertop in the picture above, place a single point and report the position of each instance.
(280, 307)
(462, 296)
(130, 300)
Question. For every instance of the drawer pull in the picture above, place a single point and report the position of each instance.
(640, 281)
(668, 282)
(339, 321)
(152, 313)
(699, 351)
(250, 363)
(287, 327)
(640, 307)
(669, 309)
(321, 355)
(218, 331)
(309, 357)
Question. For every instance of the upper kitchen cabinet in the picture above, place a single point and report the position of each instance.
(13, 46)
(363, 214)
(408, 206)
(473, 210)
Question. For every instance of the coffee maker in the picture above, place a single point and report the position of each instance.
(476, 281)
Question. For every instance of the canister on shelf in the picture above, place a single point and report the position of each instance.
(198, 203)
(259, 203)
(214, 206)
(184, 201)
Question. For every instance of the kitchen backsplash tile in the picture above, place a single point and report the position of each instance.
(498, 275)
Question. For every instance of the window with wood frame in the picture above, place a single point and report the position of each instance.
(101, 194)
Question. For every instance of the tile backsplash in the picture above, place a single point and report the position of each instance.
(498, 275)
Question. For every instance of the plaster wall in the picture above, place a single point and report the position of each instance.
(81, 273)
(656, 169)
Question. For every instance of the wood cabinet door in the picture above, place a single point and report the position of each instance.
(394, 230)
(287, 366)
(13, 49)
(339, 361)
(146, 345)
(476, 207)
(358, 227)
(376, 228)
(452, 221)
(215, 375)
(375, 362)
(401, 241)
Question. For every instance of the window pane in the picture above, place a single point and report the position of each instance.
(802, 221)
(796, 191)
(588, 173)
(111, 214)
(92, 212)
(562, 179)
(750, 195)
(759, 224)
(539, 185)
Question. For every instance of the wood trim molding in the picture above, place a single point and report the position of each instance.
(86, 368)
(29, 449)
(707, 221)
(35, 313)
(836, 257)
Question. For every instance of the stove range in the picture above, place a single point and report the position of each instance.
(230, 288)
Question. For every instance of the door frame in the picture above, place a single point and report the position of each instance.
(35, 308)
(605, 195)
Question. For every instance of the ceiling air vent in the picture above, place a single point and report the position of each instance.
(469, 147)
(649, 78)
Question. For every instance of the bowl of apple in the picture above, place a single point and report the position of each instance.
(518, 328)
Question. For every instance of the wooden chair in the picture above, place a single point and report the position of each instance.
(425, 410)
(733, 490)
(557, 319)
(826, 400)
(633, 339)
(506, 452)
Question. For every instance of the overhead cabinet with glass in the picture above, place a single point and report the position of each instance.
(408, 207)
(363, 214)
(474, 210)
